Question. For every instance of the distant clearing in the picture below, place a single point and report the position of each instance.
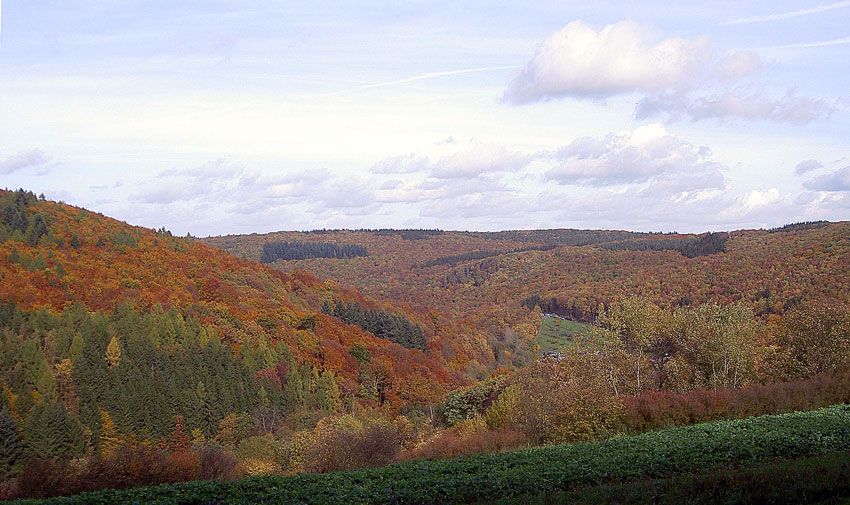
(558, 334)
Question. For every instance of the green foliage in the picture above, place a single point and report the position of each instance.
(14, 220)
(381, 323)
(273, 251)
(465, 403)
(123, 238)
(360, 353)
(558, 334)
(690, 247)
(51, 433)
(824, 480)
(11, 444)
(803, 225)
(679, 451)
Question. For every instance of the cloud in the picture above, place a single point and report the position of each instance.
(583, 62)
(807, 166)
(643, 154)
(677, 78)
(791, 14)
(467, 161)
(404, 164)
(836, 181)
(22, 160)
(480, 159)
(760, 198)
(736, 103)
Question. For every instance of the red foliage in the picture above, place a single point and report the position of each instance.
(217, 464)
(450, 444)
(179, 440)
(658, 409)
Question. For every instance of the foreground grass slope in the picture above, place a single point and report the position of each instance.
(700, 448)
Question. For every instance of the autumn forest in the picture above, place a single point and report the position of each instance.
(130, 356)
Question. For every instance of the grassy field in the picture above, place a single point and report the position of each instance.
(557, 334)
(545, 471)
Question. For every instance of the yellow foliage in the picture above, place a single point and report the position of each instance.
(255, 467)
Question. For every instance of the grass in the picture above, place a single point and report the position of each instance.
(557, 334)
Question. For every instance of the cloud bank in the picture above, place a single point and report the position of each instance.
(676, 78)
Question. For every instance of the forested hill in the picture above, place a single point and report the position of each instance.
(496, 284)
(88, 303)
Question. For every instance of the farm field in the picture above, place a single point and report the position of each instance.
(662, 454)
(821, 480)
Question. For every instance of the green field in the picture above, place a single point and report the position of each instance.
(544, 471)
(822, 480)
(557, 334)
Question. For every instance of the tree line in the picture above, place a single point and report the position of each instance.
(690, 247)
(273, 251)
(381, 323)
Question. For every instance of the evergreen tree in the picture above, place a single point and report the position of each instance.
(11, 445)
(47, 431)
(328, 393)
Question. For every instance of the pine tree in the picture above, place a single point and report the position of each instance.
(47, 431)
(11, 444)
(76, 440)
(328, 392)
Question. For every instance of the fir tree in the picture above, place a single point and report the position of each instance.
(11, 444)
(328, 392)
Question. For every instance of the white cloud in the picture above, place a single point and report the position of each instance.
(583, 62)
(753, 105)
(761, 197)
(464, 161)
(22, 160)
(646, 153)
(677, 78)
(807, 166)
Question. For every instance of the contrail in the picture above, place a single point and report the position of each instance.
(792, 14)
(825, 43)
(439, 74)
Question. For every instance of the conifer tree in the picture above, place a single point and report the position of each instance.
(47, 431)
(328, 392)
(11, 444)
(113, 352)
(77, 346)
(110, 439)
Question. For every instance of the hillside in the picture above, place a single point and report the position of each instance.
(114, 330)
(488, 283)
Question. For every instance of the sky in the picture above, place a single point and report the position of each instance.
(224, 117)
